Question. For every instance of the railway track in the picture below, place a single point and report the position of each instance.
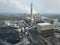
(39, 38)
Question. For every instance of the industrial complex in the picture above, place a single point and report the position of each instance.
(30, 30)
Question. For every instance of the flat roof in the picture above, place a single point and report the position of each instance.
(44, 24)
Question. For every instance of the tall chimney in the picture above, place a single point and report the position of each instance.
(31, 11)
(32, 19)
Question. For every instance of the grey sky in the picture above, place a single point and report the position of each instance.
(23, 6)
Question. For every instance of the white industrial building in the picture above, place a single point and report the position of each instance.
(44, 26)
(45, 29)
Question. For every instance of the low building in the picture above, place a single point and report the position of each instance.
(44, 26)
(45, 29)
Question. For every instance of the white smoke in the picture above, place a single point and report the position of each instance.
(18, 4)
(28, 9)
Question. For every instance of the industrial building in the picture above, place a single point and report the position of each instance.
(34, 30)
(44, 26)
(45, 29)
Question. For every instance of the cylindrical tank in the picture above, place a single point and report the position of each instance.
(57, 33)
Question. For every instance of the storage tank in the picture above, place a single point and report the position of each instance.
(28, 18)
(57, 33)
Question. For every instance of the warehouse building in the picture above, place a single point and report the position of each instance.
(45, 29)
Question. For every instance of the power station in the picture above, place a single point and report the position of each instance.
(30, 30)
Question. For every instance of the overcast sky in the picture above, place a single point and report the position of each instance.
(23, 6)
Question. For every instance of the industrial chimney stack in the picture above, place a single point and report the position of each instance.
(32, 18)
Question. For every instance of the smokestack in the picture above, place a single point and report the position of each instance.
(33, 17)
(31, 11)
(31, 14)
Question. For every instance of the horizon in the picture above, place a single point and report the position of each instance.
(39, 6)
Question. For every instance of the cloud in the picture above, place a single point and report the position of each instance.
(41, 6)
(18, 5)
(50, 6)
